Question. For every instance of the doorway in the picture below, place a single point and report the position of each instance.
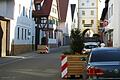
(3, 38)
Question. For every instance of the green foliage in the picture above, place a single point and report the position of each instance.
(77, 42)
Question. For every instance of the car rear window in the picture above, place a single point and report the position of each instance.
(90, 46)
(98, 56)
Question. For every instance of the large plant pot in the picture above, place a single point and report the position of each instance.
(73, 65)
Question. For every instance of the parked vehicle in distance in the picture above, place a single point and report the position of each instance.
(104, 64)
(89, 45)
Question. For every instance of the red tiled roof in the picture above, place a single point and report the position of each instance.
(46, 8)
(63, 7)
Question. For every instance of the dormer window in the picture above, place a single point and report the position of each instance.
(38, 6)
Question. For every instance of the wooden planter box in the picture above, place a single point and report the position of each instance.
(73, 66)
(42, 49)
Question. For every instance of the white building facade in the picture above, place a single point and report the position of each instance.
(70, 21)
(17, 25)
(113, 27)
(88, 15)
(53, 24)
(22, 27)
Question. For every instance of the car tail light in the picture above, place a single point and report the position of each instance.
(92, 71)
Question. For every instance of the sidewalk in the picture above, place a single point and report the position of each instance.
(11, 59)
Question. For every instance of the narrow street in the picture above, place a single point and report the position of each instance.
(35, 33)
(32, 66)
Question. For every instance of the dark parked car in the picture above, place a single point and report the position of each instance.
(104, 64)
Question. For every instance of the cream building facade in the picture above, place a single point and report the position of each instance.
(88, 15)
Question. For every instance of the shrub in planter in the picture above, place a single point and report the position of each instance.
(77, 41)
(76, 61)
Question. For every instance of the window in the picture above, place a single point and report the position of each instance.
(43, 20)
(92, 21)
(74, 21)
(38, 6)
(26, 12)
(18, 34)
(83, 12)
(29, 13)
(22, 33)
(23, 11)
(25, 34)
(83, 4)
(83, 21)
(55, 34)
(56, 23)
(100, 56)
(53, 10)
(87, 25)
(92, 12)
(50, 21)
(50, 34)
(29, 33)
(111, 9)
(53, 21)
(109, 12)
(93, 4)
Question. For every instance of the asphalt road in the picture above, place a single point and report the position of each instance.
(32, 66)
